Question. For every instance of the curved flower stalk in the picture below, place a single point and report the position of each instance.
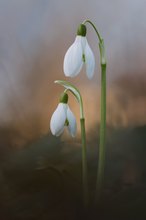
(77, 54)
(75, 92)
(63, 117)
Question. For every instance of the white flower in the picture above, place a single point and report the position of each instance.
(77, 54)
(62, 117)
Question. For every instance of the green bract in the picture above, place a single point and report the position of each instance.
(74, 91)
(71, 88)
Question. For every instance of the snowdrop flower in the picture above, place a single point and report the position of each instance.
(77, 54)
(62, 117)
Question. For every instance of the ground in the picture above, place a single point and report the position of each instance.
(43, 180)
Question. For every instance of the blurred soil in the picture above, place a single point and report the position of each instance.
(43, 180)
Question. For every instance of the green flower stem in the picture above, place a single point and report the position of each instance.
(84, 163)
(102, 143)
(101, 161)
(102, 149)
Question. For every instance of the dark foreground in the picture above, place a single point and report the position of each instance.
(43, 181)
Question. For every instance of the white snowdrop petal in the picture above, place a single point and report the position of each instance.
(60, 132)
(58, 119)
(89, 61)
(73, 59)
(83, 41)
(72, 127)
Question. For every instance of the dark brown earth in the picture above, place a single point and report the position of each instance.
(43, 180)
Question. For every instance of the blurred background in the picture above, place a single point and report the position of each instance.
(34, 37)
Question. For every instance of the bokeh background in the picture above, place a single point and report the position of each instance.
(34, 36)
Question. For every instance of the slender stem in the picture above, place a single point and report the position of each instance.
(84, 163)
(101, 162)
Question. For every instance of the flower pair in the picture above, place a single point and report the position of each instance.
(78, 54)
(63, 117)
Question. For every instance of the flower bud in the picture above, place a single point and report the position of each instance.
(81, 30)
(64, 98)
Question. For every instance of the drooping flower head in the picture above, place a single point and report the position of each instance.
(63, 117)
(77, 54)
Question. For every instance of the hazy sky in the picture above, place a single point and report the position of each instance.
(26, 23)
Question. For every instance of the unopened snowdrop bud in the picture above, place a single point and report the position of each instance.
(77, 54)
(62, 117)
